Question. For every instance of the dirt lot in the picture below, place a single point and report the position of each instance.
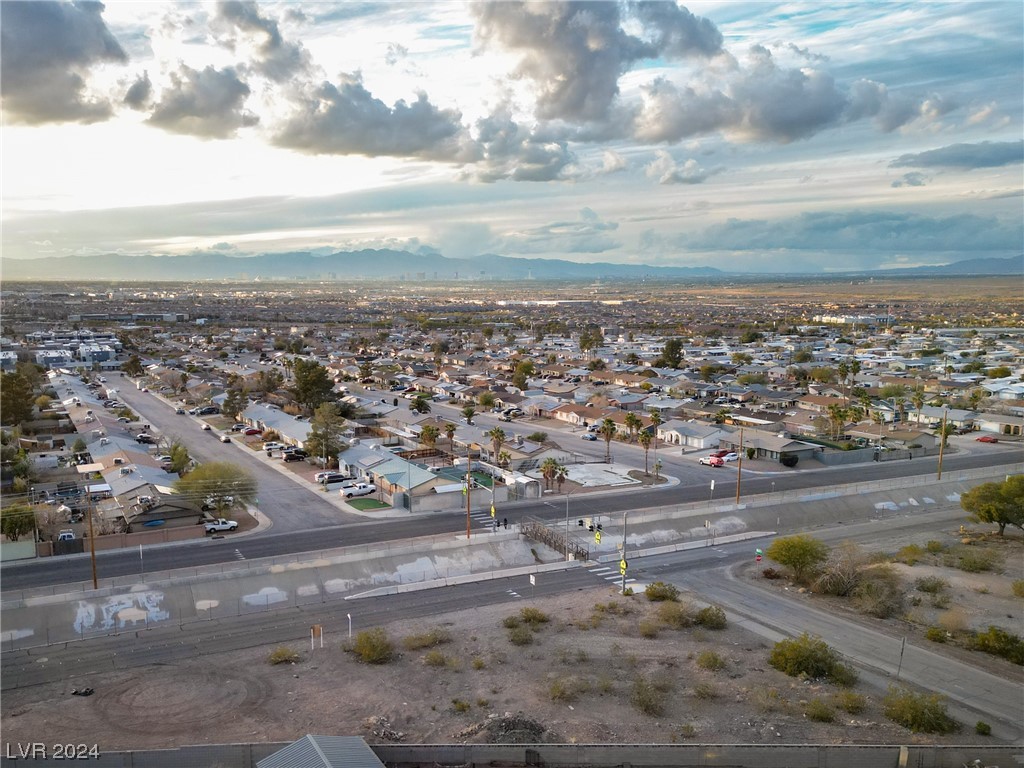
(575, 682)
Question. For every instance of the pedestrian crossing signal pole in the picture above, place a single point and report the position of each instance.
(623, 563)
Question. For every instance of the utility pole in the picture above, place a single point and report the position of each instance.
(739, 467)
(469, 477)
(623, 552)
(92, 542)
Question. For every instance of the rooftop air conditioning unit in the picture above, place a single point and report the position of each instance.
(126, 471)
(354, 441)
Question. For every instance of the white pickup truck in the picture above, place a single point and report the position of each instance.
(220, 524)
(359, 489)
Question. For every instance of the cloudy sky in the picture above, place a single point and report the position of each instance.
(751, 136)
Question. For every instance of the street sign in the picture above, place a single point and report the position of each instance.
(712, 485)
(623, 564)
(597, 537)
(533, 580)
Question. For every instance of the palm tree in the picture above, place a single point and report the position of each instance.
(917, 398)
(549, 469)
(561, 475)
(449, 431)
(497, 437)
(607, 431)
(469, 412)
(844, 370)
(633, 423)
(429, 435)
(421, 404)
(837, 417)
(504, 459)
(656, 421)
(645, 441)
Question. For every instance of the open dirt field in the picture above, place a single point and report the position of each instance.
(585, 677)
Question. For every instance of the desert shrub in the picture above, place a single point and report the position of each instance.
(659, 591)
(769, 699)
(1018, 587)
(810, 657)
(954, 620)
(687, 731)
(675, 615)
(711, 617)
(973, 559)
(520, 635)
(478, 662)
(428, 639)
(373, 646)
(909, 554)
(789, 459)
(460, 706)
(534, 616)
(627, 592)
(771, 574)
(710, 660)
(841, 573)
(819, 711)
(851, 702)
(940, 600)
(931, 585)
(567, 688)
(919, 712)
(648, 697)
(880, 593)
(982, 728)
(537, 437)
(435, 658)
(649, 628)
(283, 655)
(801, 554)
(999, 642)
(935, 547)
(510, 622)
(705, 691)
(935, 634)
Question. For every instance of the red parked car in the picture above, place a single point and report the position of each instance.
(986, 439)
(252, 431)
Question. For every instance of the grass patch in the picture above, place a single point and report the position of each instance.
(935, 547)
(435, 658)
(910, 554)
(478, 663)
(511, 622)
(710, 661)
(373, 646)
(675, 615)
(935, 634)
(364, 504)
(705, 691)
(931, 585)
(769, 700)
(1018, 588)
(982, 728)
(919, 712)
(567, 688)
(999, 642)
(973, 559)
(430, 639)
(711, 617)
(283, 655)
(649, 697)
(460, 707)
(851, 702)
(534, 617)
(649, 628)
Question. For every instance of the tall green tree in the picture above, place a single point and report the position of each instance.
(312, 386)
(16, 520)
(802, 554)
(522, 373)
(449, 432)
(672, 353)
(429, 435)
(234, 403)
(420, 404)
(324, 438)
(999, 503)
(133, 366)
(645, 443)
(497, 437)
(218, 484)
(15, 399)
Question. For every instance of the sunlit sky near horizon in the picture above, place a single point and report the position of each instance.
(749, 136)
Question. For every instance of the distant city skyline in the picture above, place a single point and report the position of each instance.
(749, 137)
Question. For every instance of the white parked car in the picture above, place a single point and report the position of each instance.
(273, 446)
(359, 489)
(731, 456)
(220, 524)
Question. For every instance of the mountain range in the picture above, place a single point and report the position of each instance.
(390, 264)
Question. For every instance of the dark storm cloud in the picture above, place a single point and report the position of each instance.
(868, 99)
(863, 231)
(209, 103)
(277, 59)
(984, 155)
(346, 119)
(138, 94)
(46, 51)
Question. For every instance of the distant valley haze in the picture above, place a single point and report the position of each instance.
(509, 140)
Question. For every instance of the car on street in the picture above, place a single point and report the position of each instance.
(711, 461)
(589, 436)
(179, 411)
(205, 427)
(986, 439)
(730, 456)
(225, 439)
(220, 524)
(359, 489)
(124, 419)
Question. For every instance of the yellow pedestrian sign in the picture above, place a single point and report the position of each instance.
(492, 510)
(622, 566)
(597, 536)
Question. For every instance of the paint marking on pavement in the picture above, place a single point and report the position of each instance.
(513, 593)
(239, 555)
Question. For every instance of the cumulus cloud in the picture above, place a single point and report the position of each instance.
(575, 52)
(984, 155)
(913, 179)
(274, 57)
(208, 103)
(612, 162)
(666, 170)
(346, 119)
(138, 94)
(395, 53)
(510, 151)
(47, 50)
(670, 113)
